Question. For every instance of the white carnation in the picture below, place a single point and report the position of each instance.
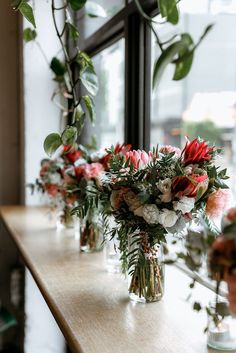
(168, 218)
(151, 213)
(185, 204)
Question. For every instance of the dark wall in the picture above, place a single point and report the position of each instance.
(11, 165)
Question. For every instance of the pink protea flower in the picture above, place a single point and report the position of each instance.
(139, 159)
(217, 202)
(170, 149)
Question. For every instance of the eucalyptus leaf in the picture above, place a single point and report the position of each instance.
(95, 10)
(90, 81)
(89, 103)
(29, 35)
(69, 135)
(168, 10)
(51, 143)
(77, 4)
(27, 11)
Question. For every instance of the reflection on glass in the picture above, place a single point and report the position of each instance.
(110, 8)
(109, 102)
(204, 103)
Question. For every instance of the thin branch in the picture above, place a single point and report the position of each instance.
(67, 58)
(42, 52)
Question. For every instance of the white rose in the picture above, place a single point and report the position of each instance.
(164, 185)
(168, 218)
(185, 204)
(55, 178)
(151, 213)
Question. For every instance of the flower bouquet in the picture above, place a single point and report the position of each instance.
(153, 194)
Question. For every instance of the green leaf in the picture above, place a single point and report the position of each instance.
(83, 60)
(90, 107)
(29, 35)
(95, 10)
(77, 4)
(197, 306)
(167, 57)
(73, 32)
(69, 135)
(51, 143)
(90, 81)
(185, 59)
(57, 67)
(169, 10)
(27, 11)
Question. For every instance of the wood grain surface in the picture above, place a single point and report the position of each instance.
(91, 306)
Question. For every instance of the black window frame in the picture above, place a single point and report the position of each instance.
(130, 25)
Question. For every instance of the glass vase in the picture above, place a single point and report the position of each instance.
(221, 334)
(65, 219)
(146, 284)
(91, 234)
(112, 253)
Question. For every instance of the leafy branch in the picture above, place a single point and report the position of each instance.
(179, 49)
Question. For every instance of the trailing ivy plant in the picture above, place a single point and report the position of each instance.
(179, 49)
(75, 107)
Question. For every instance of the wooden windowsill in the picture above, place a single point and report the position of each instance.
(91, 306)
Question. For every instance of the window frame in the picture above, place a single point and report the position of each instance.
(129, 24)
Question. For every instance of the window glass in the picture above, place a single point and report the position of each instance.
(204, 103)
(109, 102)
(109, 9)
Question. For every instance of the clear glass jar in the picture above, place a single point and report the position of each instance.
(221, 333)
(91, 234)
(146, 276)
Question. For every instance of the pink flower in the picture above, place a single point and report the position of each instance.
(170, 149)
(139, 159)
(88, 171)
(217, 202)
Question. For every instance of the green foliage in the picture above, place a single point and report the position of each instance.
(25, 9)
(77, 4)
(168, 10)
(90, 81)
(89, 103)
(29, 35)
(73, 32)
(197, 306)
(69, 135)
(168, 56)
(184, 61)
(95, 10)
(57, 67)
(51, 143)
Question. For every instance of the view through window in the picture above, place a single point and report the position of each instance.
(204, 103)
